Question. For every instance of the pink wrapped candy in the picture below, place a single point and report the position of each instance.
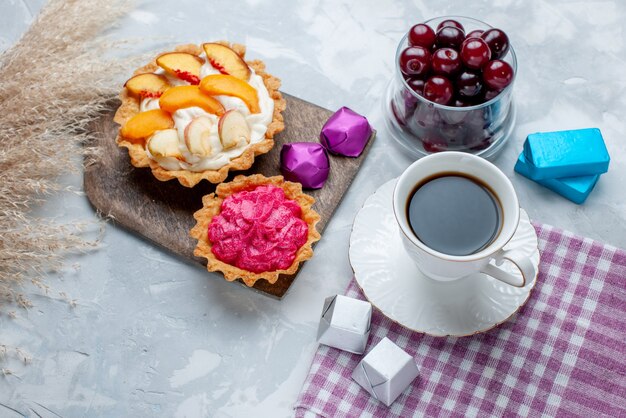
(306, 163)
(346, 133)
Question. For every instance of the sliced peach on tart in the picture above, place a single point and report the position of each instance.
(147, 85)
(164, 144)
(233, 129)
(228, 85)
(144, 124)
(182, 65)
(197, 135)
(181, 97)
(226, 60)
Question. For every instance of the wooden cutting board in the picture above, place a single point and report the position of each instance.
(162, 211)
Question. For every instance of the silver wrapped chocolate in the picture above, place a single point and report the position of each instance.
(306, 163)
(386, 371)
(346, 133)
(345, 323)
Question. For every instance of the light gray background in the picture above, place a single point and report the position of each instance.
(154, 336)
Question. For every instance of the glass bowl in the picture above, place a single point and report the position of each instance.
(422, 127)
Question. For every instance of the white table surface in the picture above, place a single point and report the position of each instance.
(152, 335)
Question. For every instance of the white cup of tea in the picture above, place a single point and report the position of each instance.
(447, 223)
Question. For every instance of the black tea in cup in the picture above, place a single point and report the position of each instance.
(454, 214)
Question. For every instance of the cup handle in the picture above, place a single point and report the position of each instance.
(521, 261)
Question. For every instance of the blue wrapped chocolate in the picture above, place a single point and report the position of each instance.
(575, 189)
(574, 153)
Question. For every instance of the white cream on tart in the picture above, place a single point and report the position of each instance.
(217, 157)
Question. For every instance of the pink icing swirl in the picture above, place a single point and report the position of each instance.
(258, 230)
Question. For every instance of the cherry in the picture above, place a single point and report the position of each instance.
(450, 22)
(490, 94)
(438, 89)
(469, 83)
(422, 35)
(434, 144)
(497, 74)
(417, 85)
(449, 37)
(474, 34)
(446, 61)
(498, 42)
(461, 102)
(415, 60)
(475, 53)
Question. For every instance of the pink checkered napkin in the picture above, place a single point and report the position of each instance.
(563, 354)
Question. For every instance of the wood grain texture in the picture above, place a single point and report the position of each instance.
(162, 211)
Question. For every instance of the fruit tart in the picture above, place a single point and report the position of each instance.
(198, 112)
(256, 227)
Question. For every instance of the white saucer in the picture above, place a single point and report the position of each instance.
(393, 284)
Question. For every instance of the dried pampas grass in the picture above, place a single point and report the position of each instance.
(53, 84)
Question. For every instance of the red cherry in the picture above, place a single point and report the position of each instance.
(462, 102)
(434, 144)
(450, 22)
(449, 37)
(475, 53)
(446, 62)
(490, 94)
(469, 83)
(498, 42)
(474, 34)
(415, 60)
(422, 35)
(438, 89)
(497, 74)
(417, 85)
